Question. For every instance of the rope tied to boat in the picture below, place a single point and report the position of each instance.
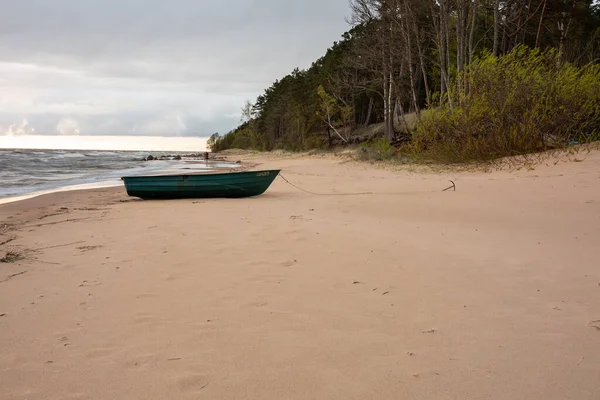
(324, 194)
(345, 194)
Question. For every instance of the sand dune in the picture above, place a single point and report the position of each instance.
(488, 292)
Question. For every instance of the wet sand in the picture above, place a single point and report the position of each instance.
(491, 291)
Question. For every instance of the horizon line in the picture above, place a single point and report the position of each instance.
(104, 142)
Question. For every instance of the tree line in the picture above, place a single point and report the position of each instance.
(402, 57)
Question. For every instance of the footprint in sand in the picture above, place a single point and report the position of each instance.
(25, 394)
(301, 238)
(258, 304)
(288, 263)
(88, 248)
(259, 263)
(100, 353)
(146, 295)
(147, 319)
(192, 383)
(265, 279)
(92, 283)
(172, 277)
(141, 361)
(76, 396)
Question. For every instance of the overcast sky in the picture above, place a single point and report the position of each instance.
(151, 67)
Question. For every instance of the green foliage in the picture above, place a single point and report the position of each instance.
(523, 102)
(212, 140)
(315, 142)
(328, 104)
(377, 150)
(240, 138)
(292, 113)
(334, 114)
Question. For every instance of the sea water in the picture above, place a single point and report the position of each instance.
(27, 172)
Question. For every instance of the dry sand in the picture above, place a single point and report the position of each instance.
(489, 292)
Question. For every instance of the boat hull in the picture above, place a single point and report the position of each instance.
(221, 185)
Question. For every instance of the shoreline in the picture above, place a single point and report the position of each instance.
(219, 166)
(68, 188)
(490, 291)
(242, 160)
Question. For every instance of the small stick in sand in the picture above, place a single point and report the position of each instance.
(58, 245)
(54, 223)
(42, 261)
(8, 278)
(11, 239)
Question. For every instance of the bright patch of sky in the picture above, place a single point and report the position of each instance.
(150, 67)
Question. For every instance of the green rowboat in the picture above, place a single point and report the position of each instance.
(229, 185)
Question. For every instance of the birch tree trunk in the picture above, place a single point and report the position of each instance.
(537, 38)
(564, 25)
(497, 28)
(473, 27)
(461, 43)
(405, 24)
(436, 18)
(444, 16)
(412, 25)
(370, 110)
(390, 120)
(386, 106)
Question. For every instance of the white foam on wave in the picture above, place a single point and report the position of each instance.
(83, 186)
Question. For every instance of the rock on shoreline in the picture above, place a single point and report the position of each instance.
(203, 156)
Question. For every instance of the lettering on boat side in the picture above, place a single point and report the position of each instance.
(265, 173)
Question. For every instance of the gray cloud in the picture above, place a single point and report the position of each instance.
(151, 67)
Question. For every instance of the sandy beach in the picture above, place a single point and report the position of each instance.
(381, 287)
